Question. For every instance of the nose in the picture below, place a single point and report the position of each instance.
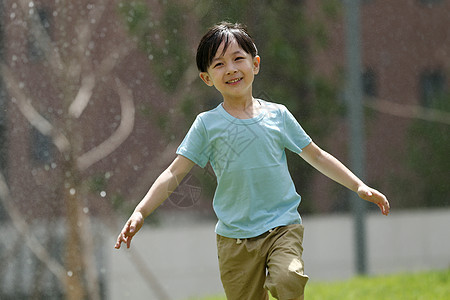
(231, 69)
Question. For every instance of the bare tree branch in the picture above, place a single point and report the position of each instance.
(87, 26)
(84, 29)
(84, 95)
(30, 113)
(88, 82)
(42, 38)
(114, 58)
(118, 137)
(30, 240)
(409, 111)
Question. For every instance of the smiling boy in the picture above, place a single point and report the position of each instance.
(259, 230)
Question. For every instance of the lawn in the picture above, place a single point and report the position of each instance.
(416, 286)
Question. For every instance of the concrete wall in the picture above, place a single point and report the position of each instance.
(182, 254)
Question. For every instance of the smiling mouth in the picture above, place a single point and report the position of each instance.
(234, 80)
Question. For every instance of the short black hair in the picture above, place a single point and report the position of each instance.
(223, 32)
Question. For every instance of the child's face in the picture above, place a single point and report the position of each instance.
(233, 72)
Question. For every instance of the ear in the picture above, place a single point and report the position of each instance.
(256, 64)
(206, 78)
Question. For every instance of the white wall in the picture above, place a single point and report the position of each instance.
(403, 241)
(182, 254)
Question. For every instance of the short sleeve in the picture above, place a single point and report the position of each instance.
(195, 144)
(295, 138)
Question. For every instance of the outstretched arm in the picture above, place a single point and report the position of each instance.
(166, 183)
(334, 169)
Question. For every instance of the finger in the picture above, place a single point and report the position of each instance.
(384, 209)
(118, 242)
(129, 241)
(125, 231)
(388, 207)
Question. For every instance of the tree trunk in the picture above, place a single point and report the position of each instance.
(73, 254)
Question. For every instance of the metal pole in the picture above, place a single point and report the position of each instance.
(353, 93)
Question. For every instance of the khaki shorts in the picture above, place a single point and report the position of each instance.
(271, 261)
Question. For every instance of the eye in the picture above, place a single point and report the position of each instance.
(239, 58)
(218, 65)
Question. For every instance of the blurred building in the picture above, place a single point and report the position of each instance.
(406, 62)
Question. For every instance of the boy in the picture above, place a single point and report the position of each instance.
(259, 230)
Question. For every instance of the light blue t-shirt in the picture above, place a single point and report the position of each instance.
(255, 191)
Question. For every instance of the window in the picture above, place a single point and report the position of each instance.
(429, 2)
(41, 147)
(2, 145)
(2, 98)
(432, 86)
(2, 126)
(3, 142)
(369, 83)
(2, 48)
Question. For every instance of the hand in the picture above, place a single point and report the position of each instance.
(374, 196)
(133, 225)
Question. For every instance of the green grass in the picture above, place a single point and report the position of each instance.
(416, 286)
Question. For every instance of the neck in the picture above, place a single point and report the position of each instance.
(242, 109)
(238, 104)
